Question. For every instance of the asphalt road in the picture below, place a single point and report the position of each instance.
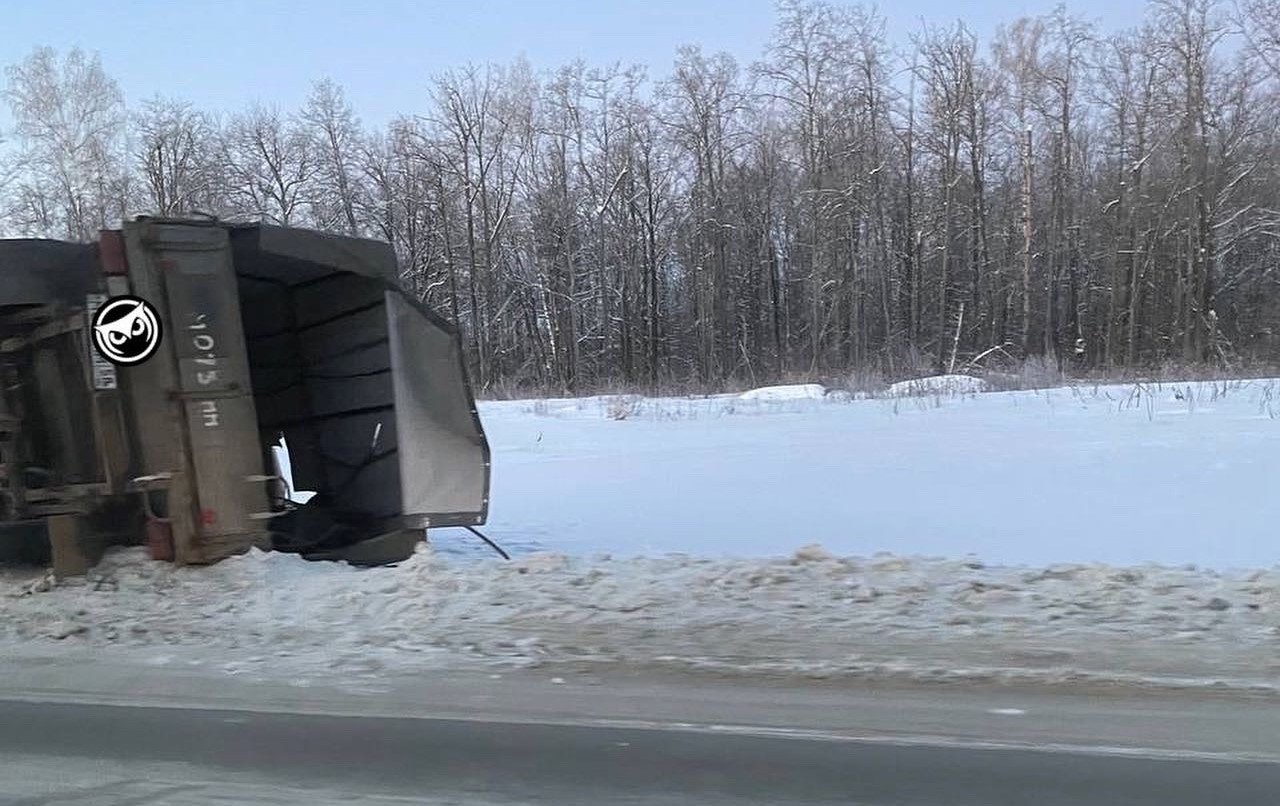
(72, 753)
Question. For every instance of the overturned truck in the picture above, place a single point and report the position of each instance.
(274, 344)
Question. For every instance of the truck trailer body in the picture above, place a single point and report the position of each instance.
(267, 336)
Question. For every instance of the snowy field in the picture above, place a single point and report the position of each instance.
(1123, 474)
(1118, 534)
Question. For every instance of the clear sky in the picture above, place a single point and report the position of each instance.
(225, 54)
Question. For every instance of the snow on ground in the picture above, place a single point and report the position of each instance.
(276, 615)
(1122, 474)
(938, 384)
(1053, 507)
(801, 391)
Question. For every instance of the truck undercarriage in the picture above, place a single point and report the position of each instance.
(271, 337)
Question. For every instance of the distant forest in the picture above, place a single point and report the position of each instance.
(1099, 201)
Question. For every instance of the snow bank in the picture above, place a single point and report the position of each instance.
(766, 400)
(812, 613)
(799, 391)
(938, 385)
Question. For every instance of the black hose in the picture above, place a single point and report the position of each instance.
(473, 530)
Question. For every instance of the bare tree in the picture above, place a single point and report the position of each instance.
(334, 141)
(1259, 22)
(269, 164)
(175, 154)
(846, 205)
(703, 105)
(69, 119)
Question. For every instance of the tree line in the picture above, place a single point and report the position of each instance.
(1100, 200)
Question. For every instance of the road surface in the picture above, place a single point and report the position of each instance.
(525, 738)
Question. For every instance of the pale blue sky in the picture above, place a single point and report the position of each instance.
(224, 54)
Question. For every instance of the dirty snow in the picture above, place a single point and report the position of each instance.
(813, 613)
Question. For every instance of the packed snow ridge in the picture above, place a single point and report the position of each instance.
(809, 614)
(938, 385)
(803, 391)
